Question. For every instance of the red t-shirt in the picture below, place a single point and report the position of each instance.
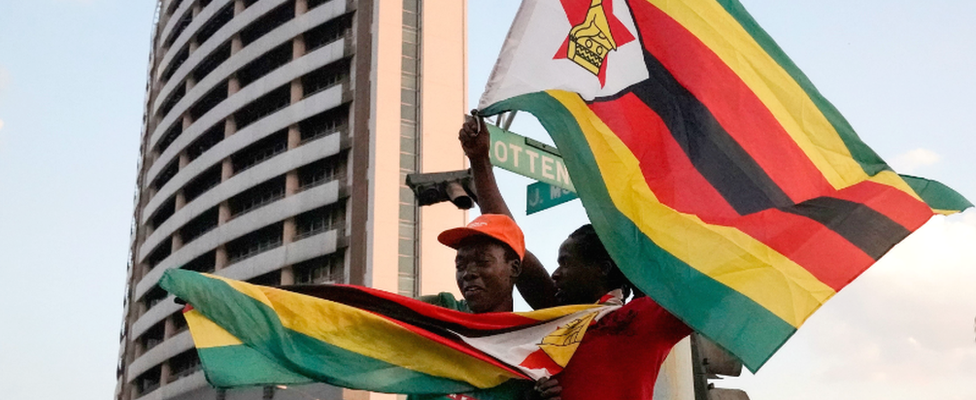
(620, 356)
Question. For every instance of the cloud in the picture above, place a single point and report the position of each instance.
(903, 330)
(912, 160)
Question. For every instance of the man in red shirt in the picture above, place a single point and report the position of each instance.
(621, 355)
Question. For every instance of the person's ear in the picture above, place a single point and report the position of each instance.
(516, 267)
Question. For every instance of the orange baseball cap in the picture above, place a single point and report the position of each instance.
(496, 226)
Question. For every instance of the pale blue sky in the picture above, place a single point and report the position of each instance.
(72, 78)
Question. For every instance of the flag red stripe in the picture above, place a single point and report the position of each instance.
(740, 112)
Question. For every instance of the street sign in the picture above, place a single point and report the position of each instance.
(528, 157)
(540, 196)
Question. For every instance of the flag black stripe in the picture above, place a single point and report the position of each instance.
(866, 228)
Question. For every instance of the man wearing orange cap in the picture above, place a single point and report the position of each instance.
(488, 263)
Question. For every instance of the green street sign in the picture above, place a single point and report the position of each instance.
(527, 157)
(540, 196)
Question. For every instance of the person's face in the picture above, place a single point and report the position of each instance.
(483, 275)
(577, 282)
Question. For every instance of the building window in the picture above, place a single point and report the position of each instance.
(162, 251)
(322, 171)
(203, 263)
(321, 270)
(325, 77)
(153, 336)
(167, 173)
(184, 364)
(263, 106)
(163, 213)
(324, 123)
(254, 243)
(202, 183)
(211, 62)
(258, 196)
(263, 65)
(218, 21)
(203, 223)
(148, 381)
(209, 101)
(328, 32)
(262, 150)
(268, 23)
(206, 141)
(322, 219)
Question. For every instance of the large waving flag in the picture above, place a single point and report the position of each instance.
(721, 181)
(366, 339)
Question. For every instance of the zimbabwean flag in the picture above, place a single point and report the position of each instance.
(367, 339)
(720, 180)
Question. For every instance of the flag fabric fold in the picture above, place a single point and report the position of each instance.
(367, 339)
(720, 180)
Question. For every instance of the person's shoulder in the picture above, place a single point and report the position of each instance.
(446, 300)
(647, 308)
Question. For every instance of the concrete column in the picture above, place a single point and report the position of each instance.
(294, 137)
(190, 82)
(177, 242)
(236, 44)
(180, 200)
(230, 126)
(223, 213)
(297, 91)
(289, 231)
(298, 47)
(169, 327)
(238, 7)
(164, 373)
(226, 169)
(220, 260)
(194, 45)
(196, 9)
(184, 160)
(291, 183)
(187, 120)
(233, 85)
(287, 275)
(301, 6)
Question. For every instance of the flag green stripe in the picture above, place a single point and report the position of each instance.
(239, 365)
(870, 161)
(259, 327)
(937, 195)
(744, 327)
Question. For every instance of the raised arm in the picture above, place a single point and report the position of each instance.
(535, 284)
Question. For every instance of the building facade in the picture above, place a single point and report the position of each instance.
(277, 136)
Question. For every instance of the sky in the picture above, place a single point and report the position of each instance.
(72, 80)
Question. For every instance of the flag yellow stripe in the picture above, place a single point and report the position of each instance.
(725, 254)
(782, 95)
(207, 334)
(374, 336)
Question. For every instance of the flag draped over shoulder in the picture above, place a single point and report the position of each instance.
(367, 339)
(720, 180)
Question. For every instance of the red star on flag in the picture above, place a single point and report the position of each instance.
(576, 11)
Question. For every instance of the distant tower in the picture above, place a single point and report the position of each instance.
(277, 134)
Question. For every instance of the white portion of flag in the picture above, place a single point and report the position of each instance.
(514, 347)
(526, 63)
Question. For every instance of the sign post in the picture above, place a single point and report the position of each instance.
(527, 157)
(541, 196)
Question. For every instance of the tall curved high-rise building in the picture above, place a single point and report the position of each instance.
(276, 139)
